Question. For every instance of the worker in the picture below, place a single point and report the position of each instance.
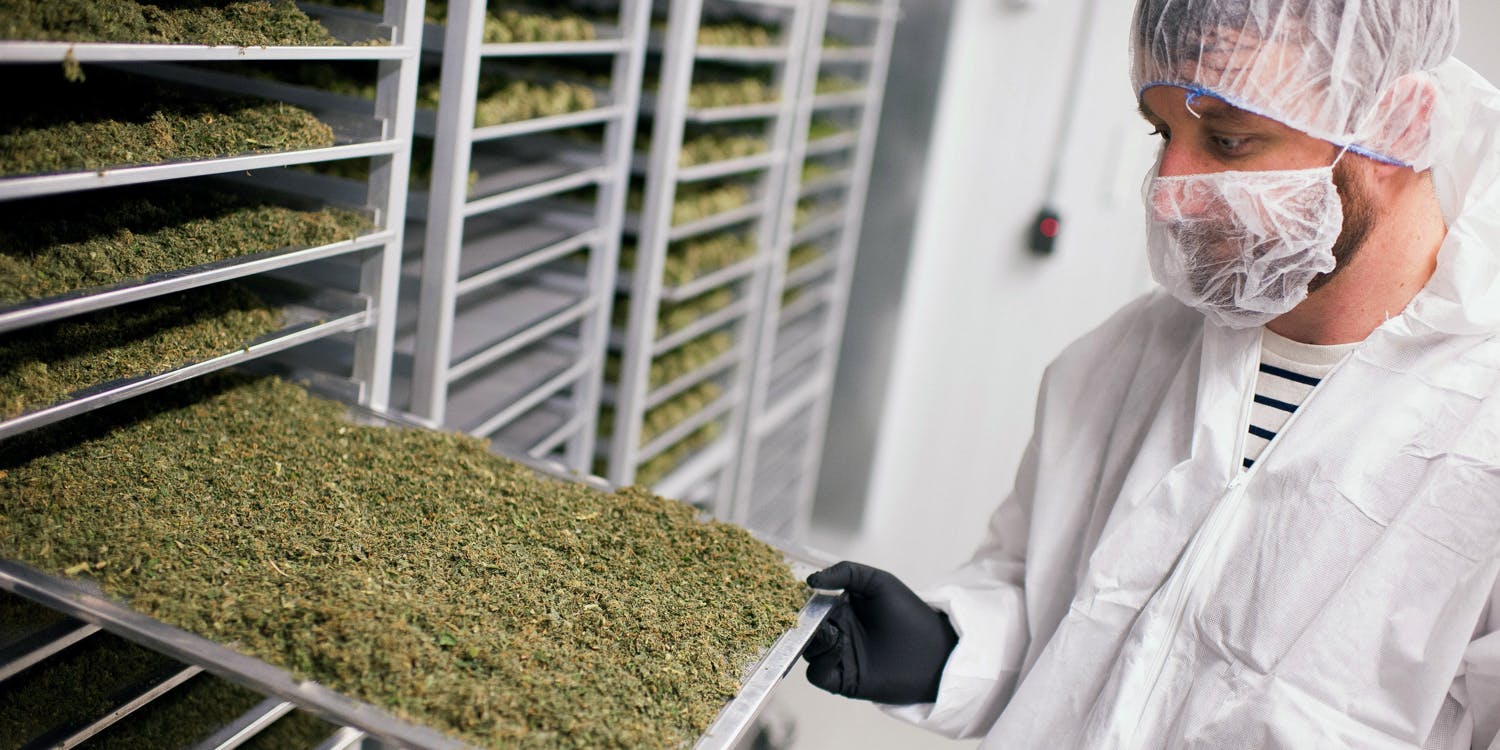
(1260, 507)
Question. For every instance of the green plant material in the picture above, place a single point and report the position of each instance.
(657, 468)
(735, 93)
(409, 569)
(20, 619)
(195, 710)
(512, 26)
(690, 357)
(837, 84)
(87, 677)
(811, 209)
(694, 201)
(694, 259)
(815, 170)
(524, 25)
(245, 23)
(504, 99)
(87, 681)
(735, 34)
(802, 256)
(791, 295)
(710, 146)
(691, 260)
(663, 417)
(49, 247)
(72, 70)
(834, 42)
(675, 316)
(43, 365)
(822, 128)
(679, 362)
(114, 121)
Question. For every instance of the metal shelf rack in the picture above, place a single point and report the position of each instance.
(378, 130)
(705, 475)
(85, 617)
(358, 314)
(506, 335)
(797, 348)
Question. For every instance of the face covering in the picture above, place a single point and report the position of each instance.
(1242, 247)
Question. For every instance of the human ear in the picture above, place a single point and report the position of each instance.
(1404, 120)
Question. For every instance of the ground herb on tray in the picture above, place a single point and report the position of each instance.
(48, 247)
(113, 120)
(245, 23)
(43, 365)
(410, 569)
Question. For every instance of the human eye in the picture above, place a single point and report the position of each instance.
(1231, 145)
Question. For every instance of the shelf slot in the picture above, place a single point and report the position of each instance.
(699, 327)
(249, 724)
(55, 639)
(322, 314)
(88, 300)
(129, 707)
(711, 280)
(531, 334)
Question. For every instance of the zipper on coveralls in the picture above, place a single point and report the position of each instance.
(1212, 529)
(1214, 526)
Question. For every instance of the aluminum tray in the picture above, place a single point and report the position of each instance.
(307, 315)
(361, 720)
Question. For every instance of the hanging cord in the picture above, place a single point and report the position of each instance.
(1048, 224)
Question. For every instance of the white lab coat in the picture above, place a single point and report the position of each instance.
(1138, 590)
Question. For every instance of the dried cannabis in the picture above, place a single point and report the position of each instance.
(113, 121)
(44, 364)
(410, 569)
(243, 23)
(48, 247)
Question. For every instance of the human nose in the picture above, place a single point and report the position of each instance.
(1173, 199)
(1178, 160)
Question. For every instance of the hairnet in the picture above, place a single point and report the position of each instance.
(1346, 71)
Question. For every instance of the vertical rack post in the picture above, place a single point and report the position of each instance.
(380, 273)
(783, 441)
(509, 342)
(619, 143)
(449, 187)
(706, 477)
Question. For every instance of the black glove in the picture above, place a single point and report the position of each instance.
(881, 642)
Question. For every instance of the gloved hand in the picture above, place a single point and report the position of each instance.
(881, 642)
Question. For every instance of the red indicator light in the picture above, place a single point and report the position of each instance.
(1050, 227)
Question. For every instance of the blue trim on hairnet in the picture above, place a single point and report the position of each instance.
(1196, 92)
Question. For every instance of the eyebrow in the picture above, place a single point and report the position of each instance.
(1209, 109)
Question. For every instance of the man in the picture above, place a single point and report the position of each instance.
(1262, 510)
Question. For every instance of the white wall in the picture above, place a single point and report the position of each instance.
(1477, 45)
(982, 315)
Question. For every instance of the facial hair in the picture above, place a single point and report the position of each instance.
(1359, 219)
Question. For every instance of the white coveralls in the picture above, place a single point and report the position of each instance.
(1139, 590)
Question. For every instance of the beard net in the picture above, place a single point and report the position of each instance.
(1351, 72)
(1242, 247)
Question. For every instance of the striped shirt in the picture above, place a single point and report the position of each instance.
(1289, 371)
